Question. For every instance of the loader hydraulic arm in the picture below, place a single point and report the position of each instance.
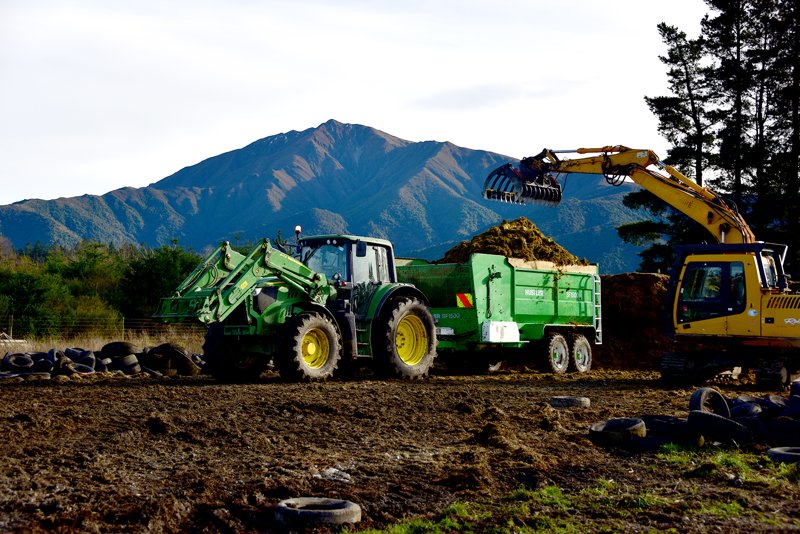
(616, 163)
(225, 279)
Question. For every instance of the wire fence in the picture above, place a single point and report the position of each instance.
(120, 328)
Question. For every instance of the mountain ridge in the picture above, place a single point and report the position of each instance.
(335, 178)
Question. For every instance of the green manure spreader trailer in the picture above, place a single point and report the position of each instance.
(329, 304)
(542, 313)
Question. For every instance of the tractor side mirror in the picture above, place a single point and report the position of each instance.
(361, 249)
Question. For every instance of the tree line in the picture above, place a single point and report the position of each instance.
(54, 290)
(732, 118)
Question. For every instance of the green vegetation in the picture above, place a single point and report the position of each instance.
(607, 505)
(87, 289)
(731, 118)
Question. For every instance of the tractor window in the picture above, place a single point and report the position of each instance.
(711, 290)
(326, 258)
(374, 267)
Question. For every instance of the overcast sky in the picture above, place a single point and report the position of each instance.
(98, 95)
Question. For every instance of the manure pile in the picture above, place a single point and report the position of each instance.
(635, 321)
(519, 238)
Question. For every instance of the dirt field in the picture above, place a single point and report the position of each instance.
(190, 454)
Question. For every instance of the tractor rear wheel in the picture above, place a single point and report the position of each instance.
(557, 355)
(313, 348)
(405, 343)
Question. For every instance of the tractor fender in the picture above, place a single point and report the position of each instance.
(311, 306)
(388, 294)
(391, 292)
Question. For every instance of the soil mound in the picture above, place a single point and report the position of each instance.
(519, 238)
(635, 321)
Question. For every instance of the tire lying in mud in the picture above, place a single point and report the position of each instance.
(566, 401)
(128, 364)
(672, 429)
(302, 512)
(118, 349)
(617, 432)
(788, 455)
(170, 359)
(715, 427)
(405, 339)
(313, 348)
(709, 400)
(18, 362)
(781, 431)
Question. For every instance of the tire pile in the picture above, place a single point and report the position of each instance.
(771, 420)
(117, 357)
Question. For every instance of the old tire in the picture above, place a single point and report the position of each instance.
(715, 427)
(788, 455)
(781, 431)
(171, 356)
(617, 432)
(128, 364)
(557, 353)
(792, 407)
(405, 342)
(303, 512)
(313, 348)
(709, 400)
(565, 401)
(672, 429)
(118, 349)
(18, 362)
(580, 354)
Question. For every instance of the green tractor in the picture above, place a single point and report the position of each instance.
(331, 305)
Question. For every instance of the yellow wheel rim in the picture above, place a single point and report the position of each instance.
(411, 340)
(316, 348)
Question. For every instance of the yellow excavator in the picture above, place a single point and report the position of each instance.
(730, 302)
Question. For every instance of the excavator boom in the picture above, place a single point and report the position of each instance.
(536, 180)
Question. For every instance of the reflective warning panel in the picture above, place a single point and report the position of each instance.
(464, 300)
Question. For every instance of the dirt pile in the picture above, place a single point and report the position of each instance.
(635, 315)
(519, 238)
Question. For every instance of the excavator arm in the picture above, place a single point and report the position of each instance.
(535, 181)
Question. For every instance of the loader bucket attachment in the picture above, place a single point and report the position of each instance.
(507, 184)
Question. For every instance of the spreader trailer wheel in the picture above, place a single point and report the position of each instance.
(557, 353)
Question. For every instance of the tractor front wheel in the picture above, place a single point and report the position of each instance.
(313, 348)
(405, 344)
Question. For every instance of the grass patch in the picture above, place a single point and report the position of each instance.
(727, 509)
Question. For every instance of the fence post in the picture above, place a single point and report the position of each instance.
(123, 327)
(11, 326)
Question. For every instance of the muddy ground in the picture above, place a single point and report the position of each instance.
(190, 454)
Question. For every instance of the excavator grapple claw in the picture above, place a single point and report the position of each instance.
(507, 184)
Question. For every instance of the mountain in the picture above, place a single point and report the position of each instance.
(336, 178)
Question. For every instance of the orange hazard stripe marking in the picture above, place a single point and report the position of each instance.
(464, 300)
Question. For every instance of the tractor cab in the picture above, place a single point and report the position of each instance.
(349, 260)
